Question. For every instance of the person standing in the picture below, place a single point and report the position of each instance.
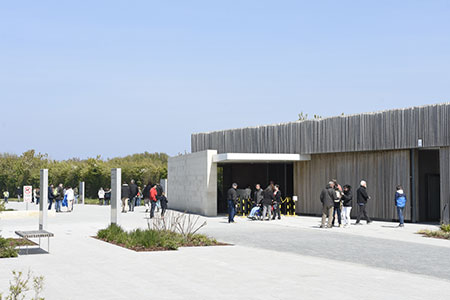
(337, 202)
(277, 203)
(133, 194)
(146, 195)
(400, 203)
(70, 195)
(51, 196)
(327, 198)
(107, 196)
(139, 197)
(153, 194)
(232, 198)
(362, 197)
(125, 195)
(19, 193)
(101, 196)
(38, 195)
(59, 196)
(347, 198)
(164, 201)
(5, 196)
(268, 198)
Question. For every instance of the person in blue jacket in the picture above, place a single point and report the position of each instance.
(400, 202)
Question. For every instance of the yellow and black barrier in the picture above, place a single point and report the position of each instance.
(244, 206)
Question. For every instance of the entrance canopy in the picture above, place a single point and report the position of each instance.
(259, 157)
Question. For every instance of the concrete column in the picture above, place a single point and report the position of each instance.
(116, 186)
(43, 202)
(82, 191)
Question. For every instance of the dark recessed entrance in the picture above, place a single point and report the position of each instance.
(249, 174)
(429, 186)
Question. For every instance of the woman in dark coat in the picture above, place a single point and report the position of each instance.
(347, 198)
(164, 201)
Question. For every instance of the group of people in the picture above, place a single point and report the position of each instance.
(264, 202)
(131, 195)
(337, 204)
(62, 196)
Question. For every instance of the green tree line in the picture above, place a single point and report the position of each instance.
(19, 170)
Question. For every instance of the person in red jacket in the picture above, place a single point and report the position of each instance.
(153, 194)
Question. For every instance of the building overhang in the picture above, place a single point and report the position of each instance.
(259, 157)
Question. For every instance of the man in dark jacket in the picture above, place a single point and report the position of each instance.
(51, 197)
(277, 203)
(267, 201)
(133, 194)
(361, 198)
(327, 197)
(258, 195)
(232, 199)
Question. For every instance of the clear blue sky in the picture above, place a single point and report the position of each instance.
(81, 78)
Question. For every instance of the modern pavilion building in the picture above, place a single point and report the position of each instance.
(410, 147)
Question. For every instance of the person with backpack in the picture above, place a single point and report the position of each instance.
(362, 197)
(400, 203)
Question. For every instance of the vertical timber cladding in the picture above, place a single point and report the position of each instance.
(445, 184)
(383, 171)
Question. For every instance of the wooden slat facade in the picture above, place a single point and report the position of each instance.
(382, 170)
(371, 146)
(388, 130)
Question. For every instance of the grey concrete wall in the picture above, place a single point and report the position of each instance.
(445, 184)
(192, 183)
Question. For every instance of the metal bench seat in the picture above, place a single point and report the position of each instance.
(36, 234)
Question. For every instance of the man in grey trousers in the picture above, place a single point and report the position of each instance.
(327, 198)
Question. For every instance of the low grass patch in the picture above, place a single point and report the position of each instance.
(9, 246)
(442, 233)
(152, 240)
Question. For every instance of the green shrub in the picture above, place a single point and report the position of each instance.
(445, 227)
(152, 239)
(6, 249)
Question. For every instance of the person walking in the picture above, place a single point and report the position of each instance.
(232, 198)
(139, 197)
(347, 198)
(277, 203)
(159, 191)
(268, 198)
(400, 203)
(153, 194)
(101, 196)
(59, 196)
(327, 197)
(70, 196)
(164, 201)
(19, 193)
(362, 197)
(5, 196)
(146, 195)
(51, 196)
(125, 196)
(133, 194)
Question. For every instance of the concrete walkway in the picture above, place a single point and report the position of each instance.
(286, 259)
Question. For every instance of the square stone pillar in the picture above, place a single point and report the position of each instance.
(43, 202)
(116, 190)
(82, 191)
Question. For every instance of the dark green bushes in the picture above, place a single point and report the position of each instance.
(151, 239)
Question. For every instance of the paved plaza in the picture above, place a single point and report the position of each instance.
(287, 259)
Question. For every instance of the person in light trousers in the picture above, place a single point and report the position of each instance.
(347, 198)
